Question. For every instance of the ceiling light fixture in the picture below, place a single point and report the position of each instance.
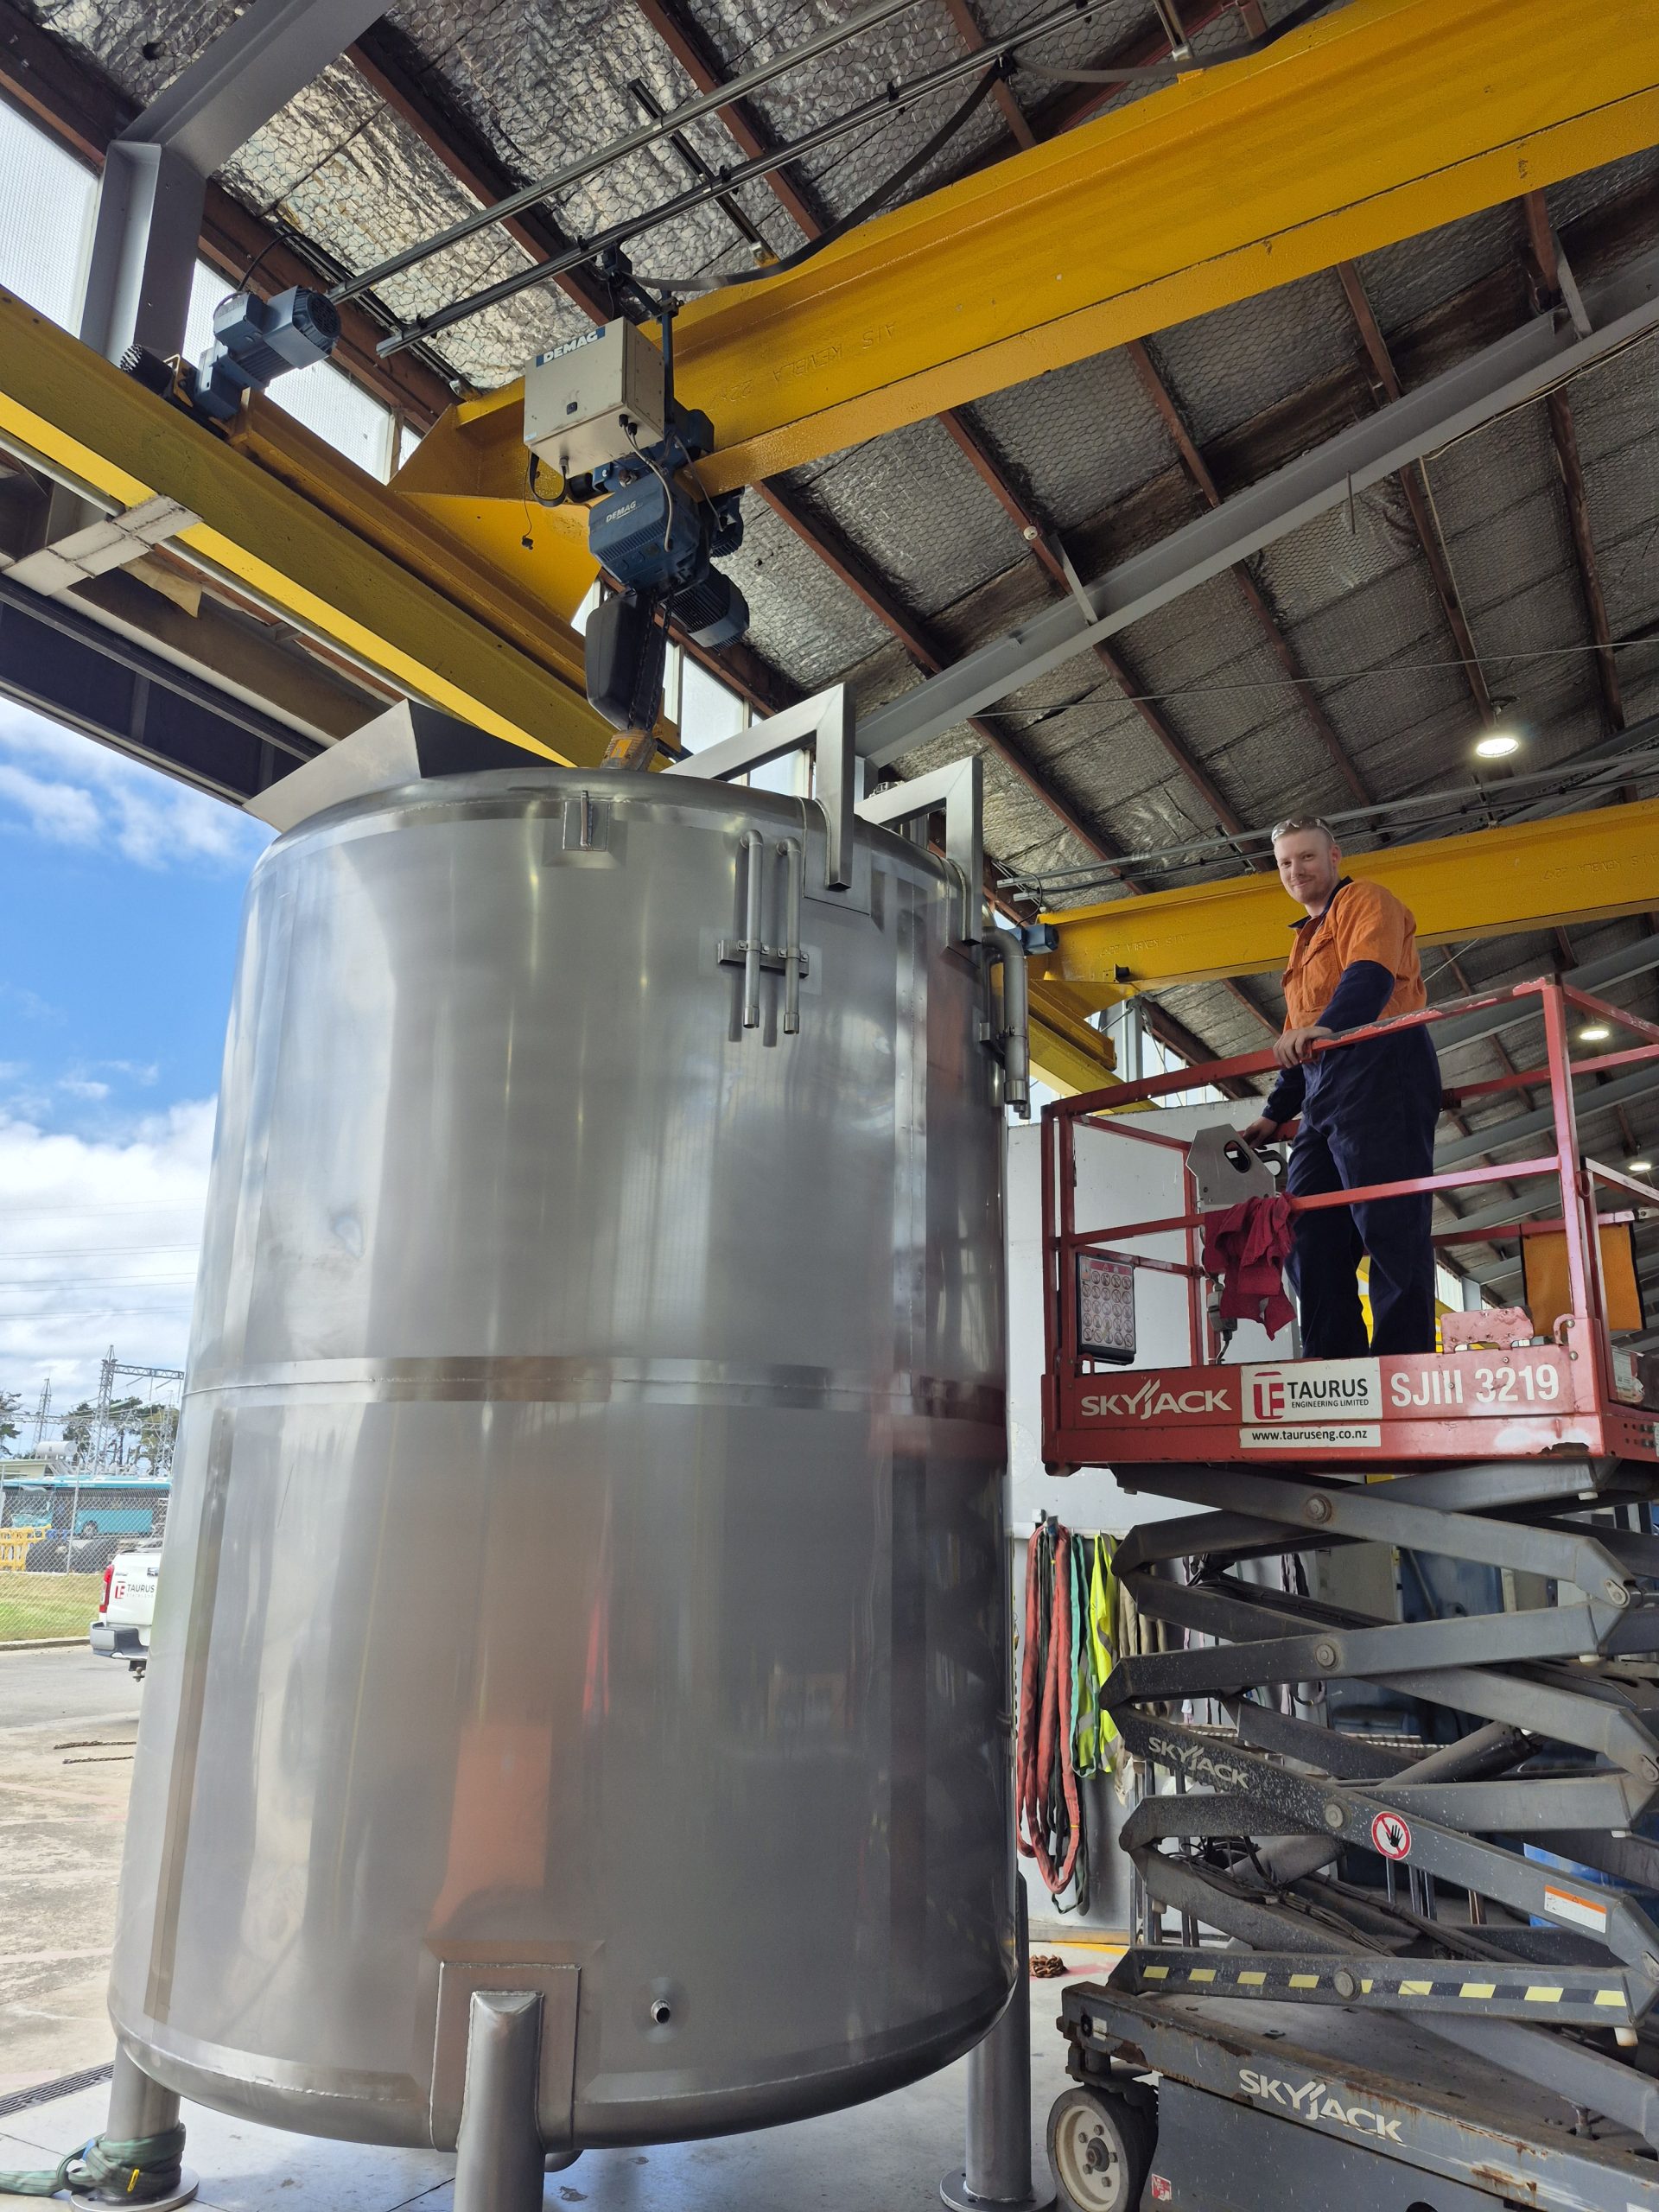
(1496, 744)
(1638, 1167)
(1597, 1033)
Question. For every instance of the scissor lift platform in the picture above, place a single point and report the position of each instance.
(1463, 1914)
(1182, 2101)
(1560, 1395)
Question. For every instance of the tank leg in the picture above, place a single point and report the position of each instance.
(499, 2154)
(141, 2110)
(995, 2176)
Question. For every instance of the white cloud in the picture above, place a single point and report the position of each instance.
(99, 1243)
(59, 812)
(80, 1086)
(31, 1005)
(72, 790)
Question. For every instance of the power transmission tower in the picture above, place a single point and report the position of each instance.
(105, 1437)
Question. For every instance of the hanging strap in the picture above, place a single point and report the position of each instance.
(105, 2160)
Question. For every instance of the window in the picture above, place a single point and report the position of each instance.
(708, 712)
(46, 197)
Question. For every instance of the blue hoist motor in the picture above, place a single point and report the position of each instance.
(254, 341)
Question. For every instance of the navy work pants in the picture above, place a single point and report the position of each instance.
(1372, 1122)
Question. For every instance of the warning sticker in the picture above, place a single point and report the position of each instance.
(1162, 2192)
(1392, 1836)
(1353, 1436)
(1583, 1912)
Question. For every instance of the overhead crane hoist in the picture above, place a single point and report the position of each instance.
(601, 412)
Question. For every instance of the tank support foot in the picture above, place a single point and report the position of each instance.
(141, 2111)
(996, 2175)
(498, 2151)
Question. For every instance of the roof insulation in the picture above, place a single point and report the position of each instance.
(1086, 447)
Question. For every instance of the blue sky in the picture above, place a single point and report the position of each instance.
(120, 896)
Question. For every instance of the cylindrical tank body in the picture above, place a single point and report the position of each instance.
(584, 1567)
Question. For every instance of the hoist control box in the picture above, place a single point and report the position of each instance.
(594, 399)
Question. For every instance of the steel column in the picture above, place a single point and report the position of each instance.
(151, 201)
(996, 2175)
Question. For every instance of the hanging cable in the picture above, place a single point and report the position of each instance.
(877, 109)
(540, 498)
(866, 207)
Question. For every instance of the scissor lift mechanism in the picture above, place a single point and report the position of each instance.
(1357, 1880)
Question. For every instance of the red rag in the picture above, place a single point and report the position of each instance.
(1247, 1246)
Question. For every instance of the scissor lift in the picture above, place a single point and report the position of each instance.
(1474, 2019)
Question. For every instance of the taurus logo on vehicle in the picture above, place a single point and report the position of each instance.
(1313, 2100)
(1312, 1389)
(1150, 1402)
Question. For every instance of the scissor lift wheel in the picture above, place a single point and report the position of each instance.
(1100, 2148)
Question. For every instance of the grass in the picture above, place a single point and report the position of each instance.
(34, 1605)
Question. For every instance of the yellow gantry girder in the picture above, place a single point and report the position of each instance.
(1529, 876)
(1386, 119)
(1065, 1053)
(390, 588)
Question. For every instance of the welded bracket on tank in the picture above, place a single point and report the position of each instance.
(822, 726)
(958, 791)
(557, 1987)
(731, 951)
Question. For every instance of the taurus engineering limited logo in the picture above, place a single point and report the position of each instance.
(1312, 1390)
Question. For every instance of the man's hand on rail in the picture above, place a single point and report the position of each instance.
(1261, 1131)
(1295, 1047)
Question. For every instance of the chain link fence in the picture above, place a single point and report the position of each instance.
(62, 1525)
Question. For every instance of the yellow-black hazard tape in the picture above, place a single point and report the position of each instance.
(1597, 1996)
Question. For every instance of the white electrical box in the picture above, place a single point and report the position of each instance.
(581, 398)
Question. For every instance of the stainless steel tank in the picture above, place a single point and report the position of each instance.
(583, 1574)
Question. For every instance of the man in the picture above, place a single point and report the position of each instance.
(1368, 1112)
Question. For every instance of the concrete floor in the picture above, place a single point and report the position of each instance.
(68, 1721)
(68, 1725)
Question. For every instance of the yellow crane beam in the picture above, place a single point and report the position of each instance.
(1384, 120)
(1527, 875)
(391, 588)
(1065, 1053)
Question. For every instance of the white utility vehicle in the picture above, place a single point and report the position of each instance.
(122, 1628)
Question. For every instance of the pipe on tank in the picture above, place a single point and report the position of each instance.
(1014, 1028)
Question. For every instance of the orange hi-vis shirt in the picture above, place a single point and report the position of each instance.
(1361, 922)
